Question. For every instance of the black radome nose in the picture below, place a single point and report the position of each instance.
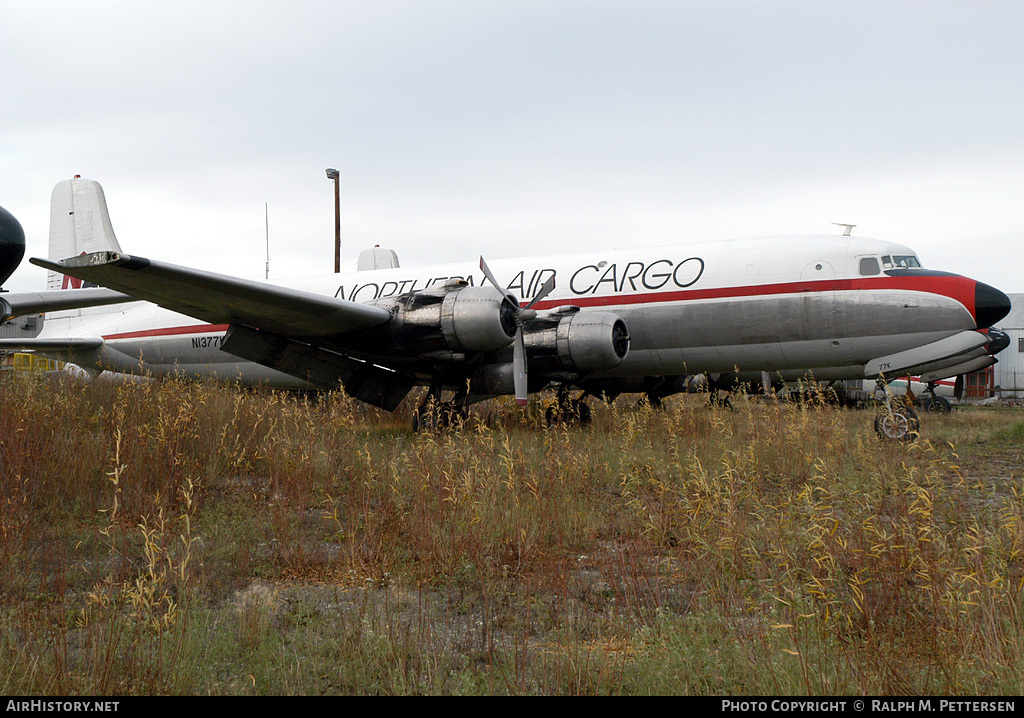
(12, 244)
(990, 305)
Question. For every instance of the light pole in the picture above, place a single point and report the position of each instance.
(333, 174)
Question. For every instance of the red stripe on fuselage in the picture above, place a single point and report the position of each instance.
(960, 289)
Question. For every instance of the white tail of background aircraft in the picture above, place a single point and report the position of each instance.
(79, 224)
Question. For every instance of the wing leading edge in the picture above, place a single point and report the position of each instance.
(220, 299)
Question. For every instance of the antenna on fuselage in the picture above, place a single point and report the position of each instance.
(849, 228)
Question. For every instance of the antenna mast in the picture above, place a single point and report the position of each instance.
(266, 218)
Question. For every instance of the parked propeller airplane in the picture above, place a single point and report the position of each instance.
(606, 321)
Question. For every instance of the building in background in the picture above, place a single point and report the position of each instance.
(1008, 374)
(21, 327)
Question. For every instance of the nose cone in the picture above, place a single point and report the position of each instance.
(12, 244)
(990, 305)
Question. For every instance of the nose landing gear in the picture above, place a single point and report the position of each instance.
(896, 421)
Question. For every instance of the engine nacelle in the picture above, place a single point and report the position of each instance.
(477, 319)
(564, 344)
(579, 343)
(445, 323)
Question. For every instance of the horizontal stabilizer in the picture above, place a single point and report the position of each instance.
(220, 299)
(54, 300)
(57, 345)
(911, 359)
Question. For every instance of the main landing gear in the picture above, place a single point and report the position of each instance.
(932, 402)
(896, 421)
(719, 391)
(433, 413)
(568, 411)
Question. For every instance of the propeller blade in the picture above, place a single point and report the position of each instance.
(490, 277)
(519, 347)
(545, 290)
(519, 368)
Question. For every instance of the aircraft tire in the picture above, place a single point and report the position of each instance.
(446, 415)
(577, 412)
(653, 401)
(936, 404)
(901, 424)
(720, 401)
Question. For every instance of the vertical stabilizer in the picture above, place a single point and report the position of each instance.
(79, 224)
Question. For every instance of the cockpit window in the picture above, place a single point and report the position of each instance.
(869, 266)
(900, 261)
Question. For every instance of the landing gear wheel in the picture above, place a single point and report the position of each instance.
(937, 404)
(432, 417)
(575, 411)
(900, 424)
(651, 400)
(715, 399)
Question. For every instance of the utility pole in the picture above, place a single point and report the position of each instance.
(333, 174)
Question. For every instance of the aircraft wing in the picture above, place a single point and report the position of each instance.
(16, 304)
(220, 299)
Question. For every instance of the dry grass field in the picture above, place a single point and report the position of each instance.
(187, 538)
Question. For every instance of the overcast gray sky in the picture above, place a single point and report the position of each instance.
(467, 127)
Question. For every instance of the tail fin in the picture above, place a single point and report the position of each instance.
(79, 224)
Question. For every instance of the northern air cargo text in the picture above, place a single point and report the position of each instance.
(600, 278)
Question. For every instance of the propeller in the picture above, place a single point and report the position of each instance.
(522, 315)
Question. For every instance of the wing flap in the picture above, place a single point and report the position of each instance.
(221, 299)
(367, 382)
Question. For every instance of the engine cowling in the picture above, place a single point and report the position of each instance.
(446, 323)
(564, 344)
(578, 343)
(477, 319)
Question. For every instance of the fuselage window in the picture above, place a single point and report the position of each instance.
(887, 261)
(869, 266)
